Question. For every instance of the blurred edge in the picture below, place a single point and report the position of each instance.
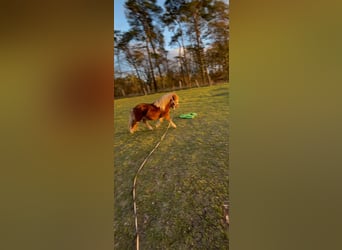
(56, 125)
(285, 138)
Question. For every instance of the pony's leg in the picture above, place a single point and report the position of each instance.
(168, 118)
(147, 124)
(172, 124)
(133, 127)
(133, 124)
(159, 122)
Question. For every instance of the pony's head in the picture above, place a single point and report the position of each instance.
(174, 101)
(167, 99)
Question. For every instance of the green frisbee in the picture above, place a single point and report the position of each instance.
(188, 115)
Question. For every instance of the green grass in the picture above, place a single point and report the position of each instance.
(182, 187)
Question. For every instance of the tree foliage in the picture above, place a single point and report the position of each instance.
(199, 32)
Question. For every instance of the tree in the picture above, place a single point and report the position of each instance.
(218, 32)
(173, 18)
(132, 55)
(193, 17)
(117, 52)
(200, 32)
(141, 15)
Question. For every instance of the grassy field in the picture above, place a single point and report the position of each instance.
(183, 186)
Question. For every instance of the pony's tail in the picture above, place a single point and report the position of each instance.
(131, 121)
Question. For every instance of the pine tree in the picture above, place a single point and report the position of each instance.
(141, 16)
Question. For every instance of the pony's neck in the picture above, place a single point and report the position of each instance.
(167, 106)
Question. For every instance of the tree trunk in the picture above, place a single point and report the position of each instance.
(186, 64)
(150, 41)
(132, 62)
(199, 50)
(151, 66)
(156, 61)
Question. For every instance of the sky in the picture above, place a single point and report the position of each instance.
(120, 22)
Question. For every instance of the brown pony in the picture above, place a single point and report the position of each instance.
(158, 110)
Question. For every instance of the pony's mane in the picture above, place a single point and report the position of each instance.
(164, 100)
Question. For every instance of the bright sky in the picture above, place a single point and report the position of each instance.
(120, 22)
